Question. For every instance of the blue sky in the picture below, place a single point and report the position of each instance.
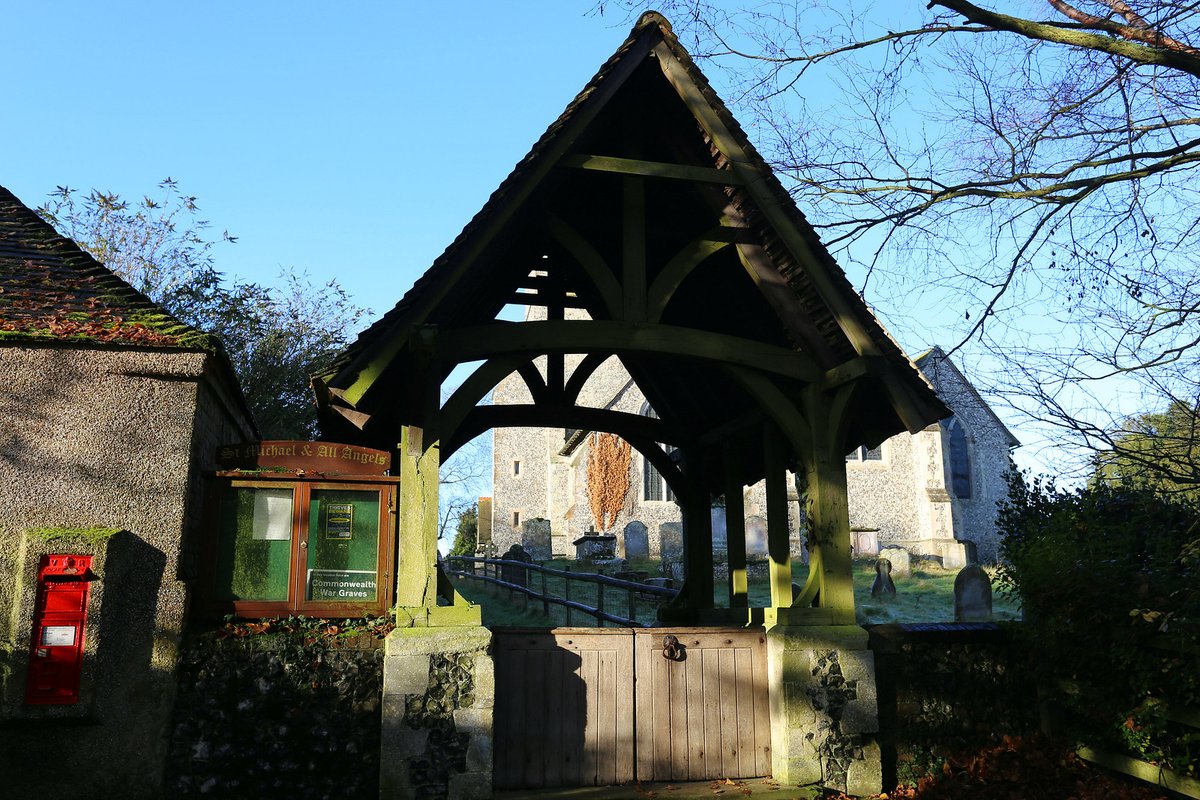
(353, 141)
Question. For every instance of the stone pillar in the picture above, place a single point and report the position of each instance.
(438, 691)
(824, 714)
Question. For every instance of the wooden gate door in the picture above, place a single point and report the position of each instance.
(564, 708)
(603, 706)
(702, 714)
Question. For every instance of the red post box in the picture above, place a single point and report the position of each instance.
(56, 649)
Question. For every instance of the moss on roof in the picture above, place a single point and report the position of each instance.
(52, 290)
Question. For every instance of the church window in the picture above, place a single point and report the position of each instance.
(654, 487)
(960, 460)
(866, 454)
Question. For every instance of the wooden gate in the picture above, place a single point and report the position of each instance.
(604, 706)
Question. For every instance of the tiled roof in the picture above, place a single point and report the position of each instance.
(51, 290)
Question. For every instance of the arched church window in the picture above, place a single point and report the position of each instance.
(654, 487)
(960, 460)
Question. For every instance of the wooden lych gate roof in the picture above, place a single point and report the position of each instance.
(645, 204)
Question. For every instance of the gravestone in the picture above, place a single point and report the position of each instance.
(670, 537)
(673, 570)
(636, 541)
(756, 539)
(972, 550)
(720, 535)
(511, 573)
(594, 546)
(955, 555)
(865, 542)
(900, 560)
(535, 537)
(883, 586)
(972, 595)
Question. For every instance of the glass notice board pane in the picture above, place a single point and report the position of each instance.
(254, 553)
(343, 546)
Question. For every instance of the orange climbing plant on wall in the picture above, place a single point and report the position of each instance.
(607, 477)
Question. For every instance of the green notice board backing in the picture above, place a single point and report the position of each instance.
(343, 545)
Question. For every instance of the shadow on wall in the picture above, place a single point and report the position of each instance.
(113, 739)
(127, 630)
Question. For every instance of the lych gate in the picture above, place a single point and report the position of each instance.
(644, 205)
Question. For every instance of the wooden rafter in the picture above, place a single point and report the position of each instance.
(651, 169)
(634, 428)
(755, 184)
(680, 266)
(608, 289)
(579, 376)
(586, 336)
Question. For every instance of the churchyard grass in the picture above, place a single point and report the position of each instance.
(927, 595)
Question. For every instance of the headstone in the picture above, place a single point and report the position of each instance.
(670, 537)
(900, 560)
(972, 595)
(720, 534)
(535, 537)
(673, 570)
(511, 573)
(955, 555)
(865, 543)
(636, 541)
(596, 547)
(883, 585)
(756, 539)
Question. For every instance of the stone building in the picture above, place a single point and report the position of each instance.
(928, 492)
(110, 411)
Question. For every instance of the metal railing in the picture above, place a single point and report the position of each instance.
(468, 567)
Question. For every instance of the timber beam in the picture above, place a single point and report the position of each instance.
(627, 426)
(650, 169)
(576, 336)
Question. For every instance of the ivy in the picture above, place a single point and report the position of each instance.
(1109, 582)
(311, 632)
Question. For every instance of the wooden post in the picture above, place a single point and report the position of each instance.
(600, 603)
(778, 535)
(418, 467)
(735, 531)
(632, 612)
(829, 516)
(697, 538)
(545, 602)
(567, 594)
(633, 227)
